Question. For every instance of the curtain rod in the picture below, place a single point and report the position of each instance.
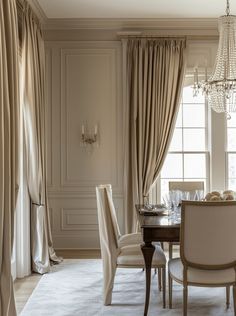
(140, 35)
(126, 35)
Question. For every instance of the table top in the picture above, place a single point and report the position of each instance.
(153, 221)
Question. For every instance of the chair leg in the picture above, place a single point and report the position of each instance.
(234, 297)
(159, 279)
(170, 250)
(227, 296)
(164, 287)
(185, 296)
(170, 283)
(108, 282)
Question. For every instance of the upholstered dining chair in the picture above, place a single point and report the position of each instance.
(120, 251)
(207, 248)
(185, 186)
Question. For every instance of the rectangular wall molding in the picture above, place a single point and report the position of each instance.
(83, 87)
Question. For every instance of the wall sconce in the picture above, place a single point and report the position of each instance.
(88, 139)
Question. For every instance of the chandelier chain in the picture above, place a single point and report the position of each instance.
(227, 8)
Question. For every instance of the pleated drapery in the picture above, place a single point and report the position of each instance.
(9, 116)
(154, 77)
(33, 79)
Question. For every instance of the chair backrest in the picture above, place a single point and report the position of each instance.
(191, 190)
(108, 226)
(208, 234)
(186, 185)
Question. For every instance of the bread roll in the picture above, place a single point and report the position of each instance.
(228, 192)
(215, 193)
(229, 197)
(215, 198)
(208, 197)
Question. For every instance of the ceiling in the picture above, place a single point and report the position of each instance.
(136, 9)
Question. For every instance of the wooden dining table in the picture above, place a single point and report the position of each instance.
(154, 228)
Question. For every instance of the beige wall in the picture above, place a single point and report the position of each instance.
(84, 85)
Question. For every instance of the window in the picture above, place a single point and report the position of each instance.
(231, 152)
(203, 148)
(188, 156)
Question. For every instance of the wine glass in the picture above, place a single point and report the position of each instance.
(198, 195)
(185, 195)
(176, 197)
(167, 202)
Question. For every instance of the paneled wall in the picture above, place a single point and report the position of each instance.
(83, 87)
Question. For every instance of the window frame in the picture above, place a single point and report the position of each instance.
(155, 191)
(227, 153)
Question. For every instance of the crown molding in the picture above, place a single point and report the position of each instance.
(133, 24)
(194, 26)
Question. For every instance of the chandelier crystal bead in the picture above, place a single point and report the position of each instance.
(220, 87)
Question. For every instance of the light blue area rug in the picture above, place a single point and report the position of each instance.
(74, 288)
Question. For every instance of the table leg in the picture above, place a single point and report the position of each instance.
(148, 251)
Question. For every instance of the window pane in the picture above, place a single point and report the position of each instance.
(188, 96)
(231, 165)
(232, 121)
(176, 142)
(179, 122)
(232, 184)
(173, 167)
(194, 166)
(193, 115)
(231, 135)
(194, 139)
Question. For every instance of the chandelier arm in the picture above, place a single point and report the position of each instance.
(220, 81)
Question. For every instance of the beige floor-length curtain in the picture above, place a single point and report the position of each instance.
(33, 70)
(9, 116)
(154, 78)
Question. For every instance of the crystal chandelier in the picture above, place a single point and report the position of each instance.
(220, 88)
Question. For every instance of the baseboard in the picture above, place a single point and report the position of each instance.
(78, 253)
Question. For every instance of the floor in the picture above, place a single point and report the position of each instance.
(24, 287)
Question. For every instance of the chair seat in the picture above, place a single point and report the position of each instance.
(203, 277)
(132, 239)
(132, 256)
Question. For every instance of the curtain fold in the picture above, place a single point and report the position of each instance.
(9, 116)
(154, 79)
(33, 70)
